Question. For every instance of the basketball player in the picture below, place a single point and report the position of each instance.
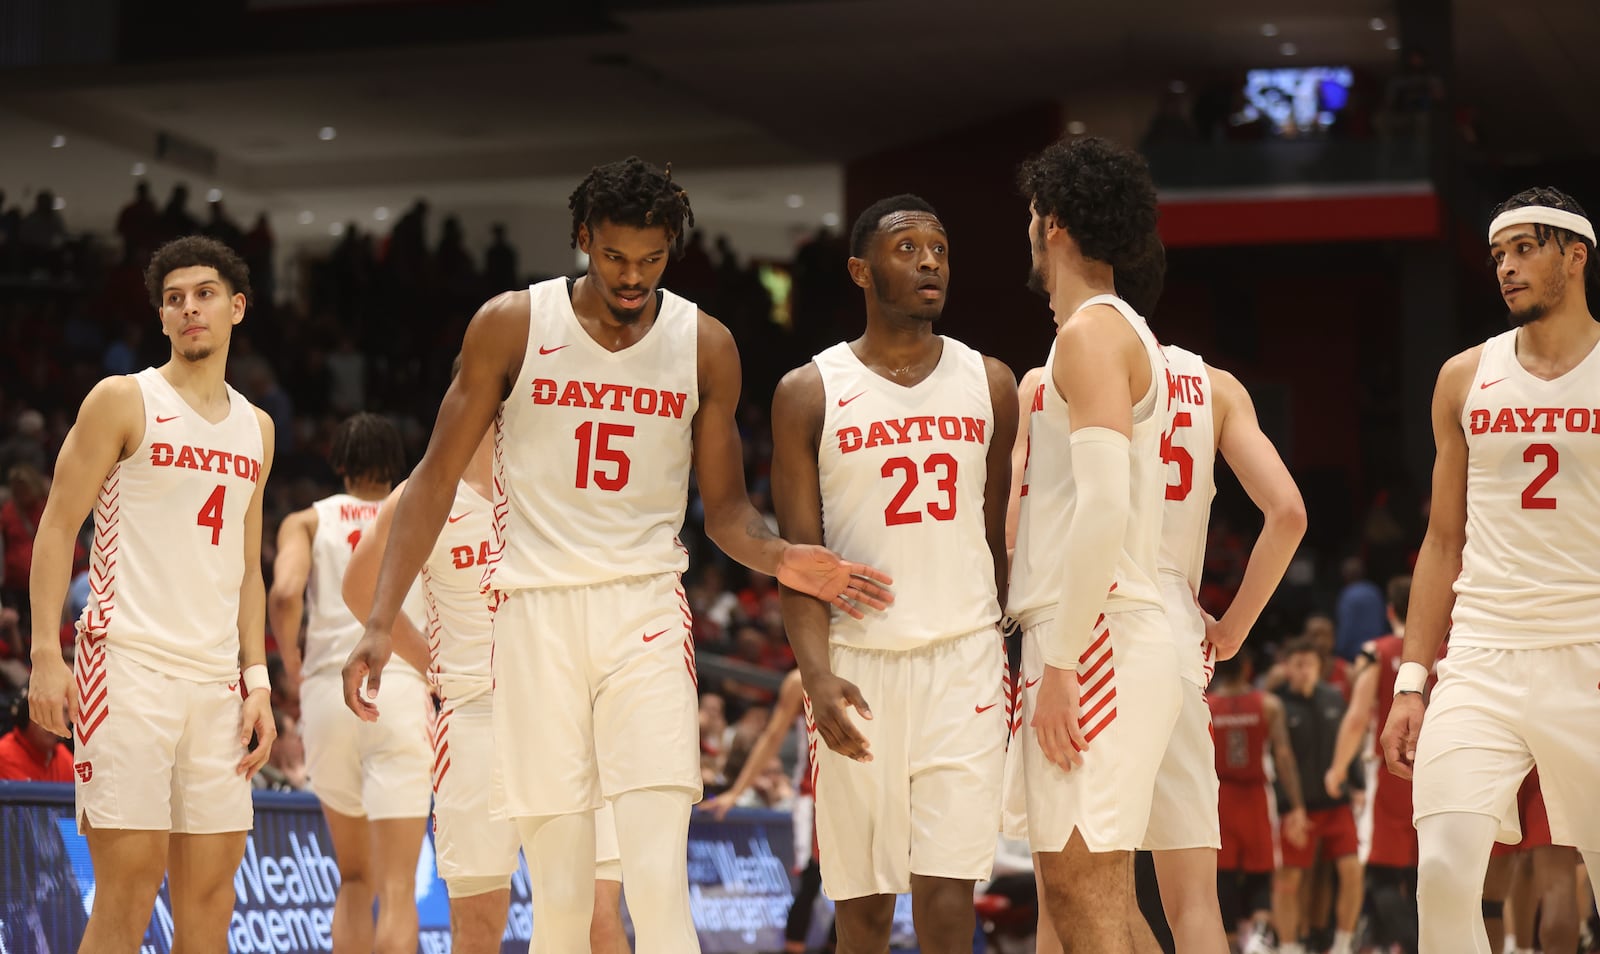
(1212, 413)
(605, 393)
(372, 780)
(1101, 689)
(1538, 877)
(787, 716)
(1392, 859)
(1245, 719)
(172, 462)
(896, 447)
(1515, 527)
(475, 852)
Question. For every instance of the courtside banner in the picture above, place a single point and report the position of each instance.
(285, 888)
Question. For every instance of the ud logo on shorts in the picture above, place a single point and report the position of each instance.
(85, 770)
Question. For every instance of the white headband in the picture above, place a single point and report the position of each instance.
(1543, 215)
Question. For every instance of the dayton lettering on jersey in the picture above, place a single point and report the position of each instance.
(200, 458)
(1535, 420)
(906, 430)
(614, 397)
(1185, 389)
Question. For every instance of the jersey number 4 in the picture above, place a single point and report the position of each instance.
(894, 515)
(1173, 454)
(210, 515)
(1552, 464)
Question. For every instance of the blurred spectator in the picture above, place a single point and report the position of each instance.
(139, 224)
(256, 250)
(29, 753)
(772, 788)
(285, 770)
(19, 521)
(222, 228)
(175, 218)
(13, 651)
(500, 263)
(122, 355)
(1360, 611)
(27, 445)
(347, 378)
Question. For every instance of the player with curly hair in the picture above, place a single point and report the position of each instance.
(605, 392)
(1101, 689)
(1507, 569)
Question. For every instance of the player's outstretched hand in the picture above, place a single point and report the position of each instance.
(719, 807)
(53, 696)
(830, 696)
(1055, 719)
(255, 718)
(365, 665)
(1400, 734)
(819, 572)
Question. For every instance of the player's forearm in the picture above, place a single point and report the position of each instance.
(285, 608)
(418, 517)
(48, 579)
(1351, 731)
(1289, 776)
(1269, 560)
(1092, 543)
(745, 536)
(1432, 600)
(806, 620)
(409, 643)
(760, 754)
(252, 613)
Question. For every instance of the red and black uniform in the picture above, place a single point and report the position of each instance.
(1239, 727)
(1313, 723)
(1394, 836)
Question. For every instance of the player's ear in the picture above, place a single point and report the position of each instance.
(584, 238)
(860, 273)
(238, 307)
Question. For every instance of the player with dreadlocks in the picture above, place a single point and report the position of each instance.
(372, 780)
(604, 392)
(1508, 569)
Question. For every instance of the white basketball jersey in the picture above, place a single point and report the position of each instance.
(1530, 571)
(593, 450)
(1189, 449)
(1049, 493)
(459, 626)
(168, 556)
(331, 629)
(902, 472)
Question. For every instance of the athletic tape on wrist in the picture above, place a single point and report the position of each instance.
(1411, 677)
(255, 677)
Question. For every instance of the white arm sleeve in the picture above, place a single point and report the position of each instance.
(1092, 543)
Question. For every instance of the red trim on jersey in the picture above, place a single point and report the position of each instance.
(438, 734)
(1103, 694)
(501, 506)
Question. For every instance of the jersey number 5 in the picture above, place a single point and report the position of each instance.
(1173, 454)
(893, 515)
(1552, 464)
(210, 515)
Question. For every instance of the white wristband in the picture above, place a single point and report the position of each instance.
(255, 677)
(1411, 678)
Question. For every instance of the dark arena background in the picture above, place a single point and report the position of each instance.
(1325, 169)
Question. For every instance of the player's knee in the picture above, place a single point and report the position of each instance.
(1439, 876)
(872, 916)
(945, 904)
(1287, 881)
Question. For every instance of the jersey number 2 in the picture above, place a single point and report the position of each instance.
(1173, 454)
(893, 515)
(1552, 464)
(210, 515)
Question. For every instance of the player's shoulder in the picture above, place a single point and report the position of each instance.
(1460, 368)
(800, 391)
(711, 331)
(115, 391)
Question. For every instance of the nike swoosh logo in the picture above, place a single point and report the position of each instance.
(982, 709)
(163, 420)
(461, 516)
(233, 687)
(1030, 683)
(844, 401)
(1490, 384)
(544, 350)
(652, 636)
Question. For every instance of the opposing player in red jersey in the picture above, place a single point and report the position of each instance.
(897, 447)
(1538, 876)
(172, 462)
(1392, 861)
(1244, 720)
(1508, 567)
(605, 394)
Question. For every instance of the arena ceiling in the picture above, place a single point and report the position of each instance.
(462, 100)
